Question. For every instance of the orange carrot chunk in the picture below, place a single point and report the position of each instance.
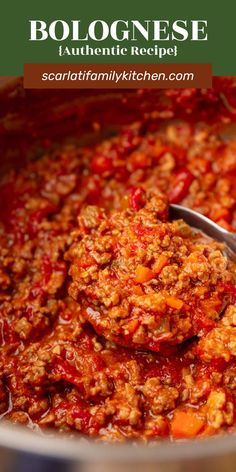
(186, 425)
(160, 263)
(174, 302)
(143, 274)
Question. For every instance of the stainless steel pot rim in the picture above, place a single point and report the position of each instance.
(22, 439)
(19, 438)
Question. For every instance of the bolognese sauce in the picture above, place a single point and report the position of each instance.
(143, 281)
(116, 322)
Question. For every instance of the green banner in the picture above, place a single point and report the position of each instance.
(118, 32)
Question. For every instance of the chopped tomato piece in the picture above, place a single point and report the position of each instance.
(180, 185)
(230, 289)
(101, 164)
(91, 184)
(9, 336)
(67, 372)
(46, 269)
(137, 198)
(83, 415)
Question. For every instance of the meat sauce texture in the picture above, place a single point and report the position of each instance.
(143, 281)
(115, 322)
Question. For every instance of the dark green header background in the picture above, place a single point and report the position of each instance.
(16, 49)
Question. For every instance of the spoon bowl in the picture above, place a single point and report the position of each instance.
(207, 226)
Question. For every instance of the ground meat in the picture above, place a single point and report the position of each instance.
(143, 281)
(221, 341)
(101, 213)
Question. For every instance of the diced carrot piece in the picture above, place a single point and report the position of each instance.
(160, 263)
(143, 274)
(132, 326)
(137, 290)
(201, 291)
(211, 306)
(139, 160)
(208, 431)
(186, 425)
(124, 203)
(174, 302)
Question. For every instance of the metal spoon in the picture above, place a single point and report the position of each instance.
(205, 225)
